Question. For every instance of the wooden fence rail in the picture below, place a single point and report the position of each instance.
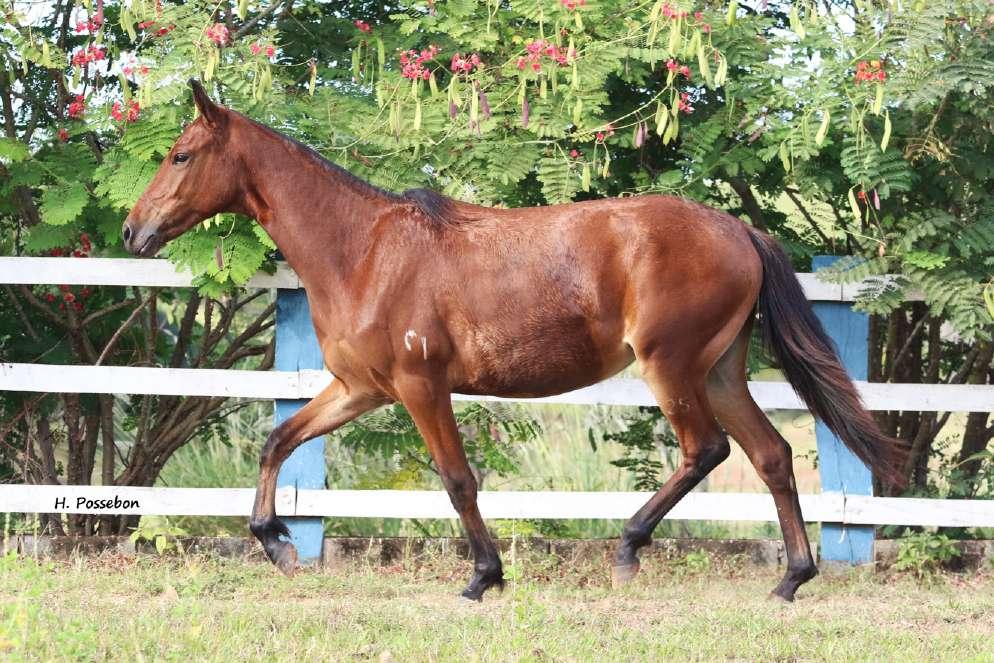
(845, 509)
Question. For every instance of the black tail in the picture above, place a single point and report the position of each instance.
(808, 359)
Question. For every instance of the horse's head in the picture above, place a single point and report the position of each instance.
(197, 179)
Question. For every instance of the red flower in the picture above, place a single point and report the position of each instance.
(363, 26)
(77, 108)
(698, 15)
(706, 28)
(69, 297)
(412, 62)
(685, 71)
(270, 51)
(464, 65)
(600, 136)
(685, 103)
(571, 5)
(133, 110)
(218, 33)
(115, 111)
(50, 297)
(861, 195)
(256, 48)
(672, 65)
(85, 292)
(574, 153)
(63, 134)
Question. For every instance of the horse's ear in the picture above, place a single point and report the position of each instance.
(211, 112)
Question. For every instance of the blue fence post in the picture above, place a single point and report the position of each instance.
(840, 470)
(297, 348)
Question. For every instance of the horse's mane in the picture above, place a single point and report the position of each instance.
(434, 207)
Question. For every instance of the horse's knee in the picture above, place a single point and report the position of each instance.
(270, 450)
(461, 488)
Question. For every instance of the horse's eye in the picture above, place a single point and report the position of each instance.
(181, 157)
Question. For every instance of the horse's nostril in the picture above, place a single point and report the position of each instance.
(126, 232)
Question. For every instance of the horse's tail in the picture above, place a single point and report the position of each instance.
(809, 361)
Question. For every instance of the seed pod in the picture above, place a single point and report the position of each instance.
(525, 113)
(733, 7)
(826, 120)
(886, 137)
(314, 75)
(484, 105)
(585, 178)
(433, 84)
(878, 102)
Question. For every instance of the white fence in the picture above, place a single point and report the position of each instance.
(825, 507)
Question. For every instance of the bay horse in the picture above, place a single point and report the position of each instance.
(415, 296)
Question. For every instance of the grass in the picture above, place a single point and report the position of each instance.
(146, 608)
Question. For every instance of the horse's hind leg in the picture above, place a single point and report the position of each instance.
(333, 407)
(770, 455)
(681, 394)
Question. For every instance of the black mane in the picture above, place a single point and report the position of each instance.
(435, 207)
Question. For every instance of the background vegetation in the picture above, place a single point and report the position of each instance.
(854, 128)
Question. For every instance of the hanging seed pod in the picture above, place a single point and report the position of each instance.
(314, 76)
(606, 170)
(854, 206)
(662, 117)
(453, 110)
(577, 111)
(474, 108)
(381, 54)
(417, 115)
(733, 7)
(484, 105)
(219, 255)
(878, 102)
(355, 63)
(433, 84)
(525, 112)
(826, 121)
(886, 137)
(585, 178)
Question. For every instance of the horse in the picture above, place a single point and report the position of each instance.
(416, 296)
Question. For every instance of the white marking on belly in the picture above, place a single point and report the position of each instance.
(424, 347)
(407, 339)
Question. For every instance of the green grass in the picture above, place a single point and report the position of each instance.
(120, 608)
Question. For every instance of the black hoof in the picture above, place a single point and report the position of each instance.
(281, 553)
(792, 580)
(482, 581)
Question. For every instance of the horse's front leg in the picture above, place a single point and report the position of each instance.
(430, 405)
(333, 407)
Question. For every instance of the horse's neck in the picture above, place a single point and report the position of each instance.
(320, 218)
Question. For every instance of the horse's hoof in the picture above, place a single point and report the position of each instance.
(286, 559)
(622, 575)
(775, 597)
(481, 583)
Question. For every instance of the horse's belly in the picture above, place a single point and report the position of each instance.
(541, 364)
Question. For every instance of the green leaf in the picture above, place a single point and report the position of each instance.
(62, 203)
(13, 150)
